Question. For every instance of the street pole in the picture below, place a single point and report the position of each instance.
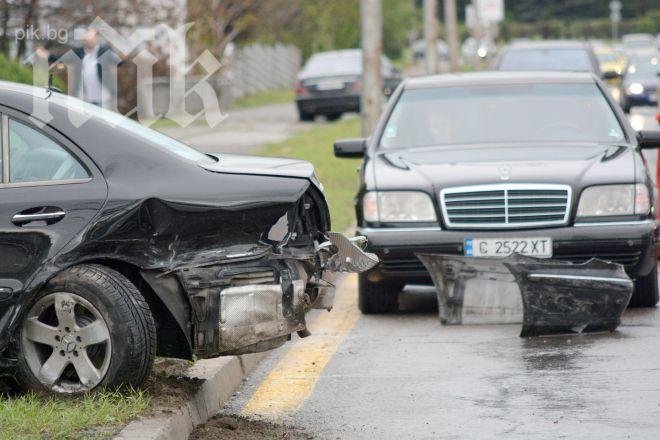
(452, 33)
(372, 46)
(431, 35)
(615, 18)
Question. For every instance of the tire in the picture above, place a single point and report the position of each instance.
(646, 290)
(81, 296)
(626, 107)
(306, 117)
(377, 298)
(333, 117)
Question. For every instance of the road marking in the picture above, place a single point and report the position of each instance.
(294, 377)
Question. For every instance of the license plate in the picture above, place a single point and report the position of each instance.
(330, 85)
(540, 247)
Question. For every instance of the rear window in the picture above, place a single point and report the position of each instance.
(334, 65)
(546, 59)
(501, 114)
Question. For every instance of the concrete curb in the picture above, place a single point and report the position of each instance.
(222, 376)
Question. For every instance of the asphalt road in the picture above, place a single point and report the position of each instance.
(406, 376)
(243, 131)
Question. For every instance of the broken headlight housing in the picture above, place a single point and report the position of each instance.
(398, 206)
(614, 200)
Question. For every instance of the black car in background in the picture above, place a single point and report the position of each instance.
(550, 55)
(118, 243)
(488, 164)
(639, 86)
(330, 83)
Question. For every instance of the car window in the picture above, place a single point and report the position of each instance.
(546, 59)
(501, 113)
(342, 64)
(34, 157)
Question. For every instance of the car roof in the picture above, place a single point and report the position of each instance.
(498, 77)
(548, 44)
(40, 92)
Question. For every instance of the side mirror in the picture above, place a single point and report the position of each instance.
(350, 147)
(611, 74)
(648, 139)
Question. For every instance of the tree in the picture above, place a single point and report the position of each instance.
(217, 23)
(320, 25)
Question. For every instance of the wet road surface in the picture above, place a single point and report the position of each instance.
(406, 376)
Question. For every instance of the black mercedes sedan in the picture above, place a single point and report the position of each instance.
(493, 163)
(118, 243)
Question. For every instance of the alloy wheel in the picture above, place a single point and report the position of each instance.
(66, 343)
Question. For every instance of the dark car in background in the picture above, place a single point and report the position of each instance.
(118, 243)
(638, 42)
(639, 86)
(488, 164)
(330, 84)
(549, 55)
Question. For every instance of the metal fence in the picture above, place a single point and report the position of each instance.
(252, 69)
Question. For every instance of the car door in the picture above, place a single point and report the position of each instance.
(49, 191)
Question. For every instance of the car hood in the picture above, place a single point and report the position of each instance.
(263, 166)
(432, 169)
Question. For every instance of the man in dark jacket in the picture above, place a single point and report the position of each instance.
(96, 81)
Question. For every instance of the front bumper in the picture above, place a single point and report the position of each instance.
(631, 244)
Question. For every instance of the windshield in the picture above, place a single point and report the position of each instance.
(644, 67)
(607, 57)
(501, 113)
(155, 137)
(546, 59)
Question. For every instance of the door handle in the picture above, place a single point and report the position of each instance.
(50, 216)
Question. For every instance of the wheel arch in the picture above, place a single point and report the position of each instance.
(167, 303)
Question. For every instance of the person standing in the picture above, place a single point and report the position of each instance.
(96, 82)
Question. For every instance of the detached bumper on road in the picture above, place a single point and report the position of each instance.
(631, 244)
(555, 297)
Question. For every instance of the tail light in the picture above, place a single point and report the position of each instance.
(357, 86)
(300, 89)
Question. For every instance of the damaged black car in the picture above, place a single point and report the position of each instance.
(489, 165)
(118, 243)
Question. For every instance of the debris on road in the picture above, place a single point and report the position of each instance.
(240, 428)
(546, 296)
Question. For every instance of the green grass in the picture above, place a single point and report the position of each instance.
(339, 176)
(96, 415)
(267, 97)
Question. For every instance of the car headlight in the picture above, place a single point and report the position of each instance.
(398, 206)
(635, 89)
(614, 200)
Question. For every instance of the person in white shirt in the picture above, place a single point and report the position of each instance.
(96, 83)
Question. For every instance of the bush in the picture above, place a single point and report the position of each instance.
(13, 71)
